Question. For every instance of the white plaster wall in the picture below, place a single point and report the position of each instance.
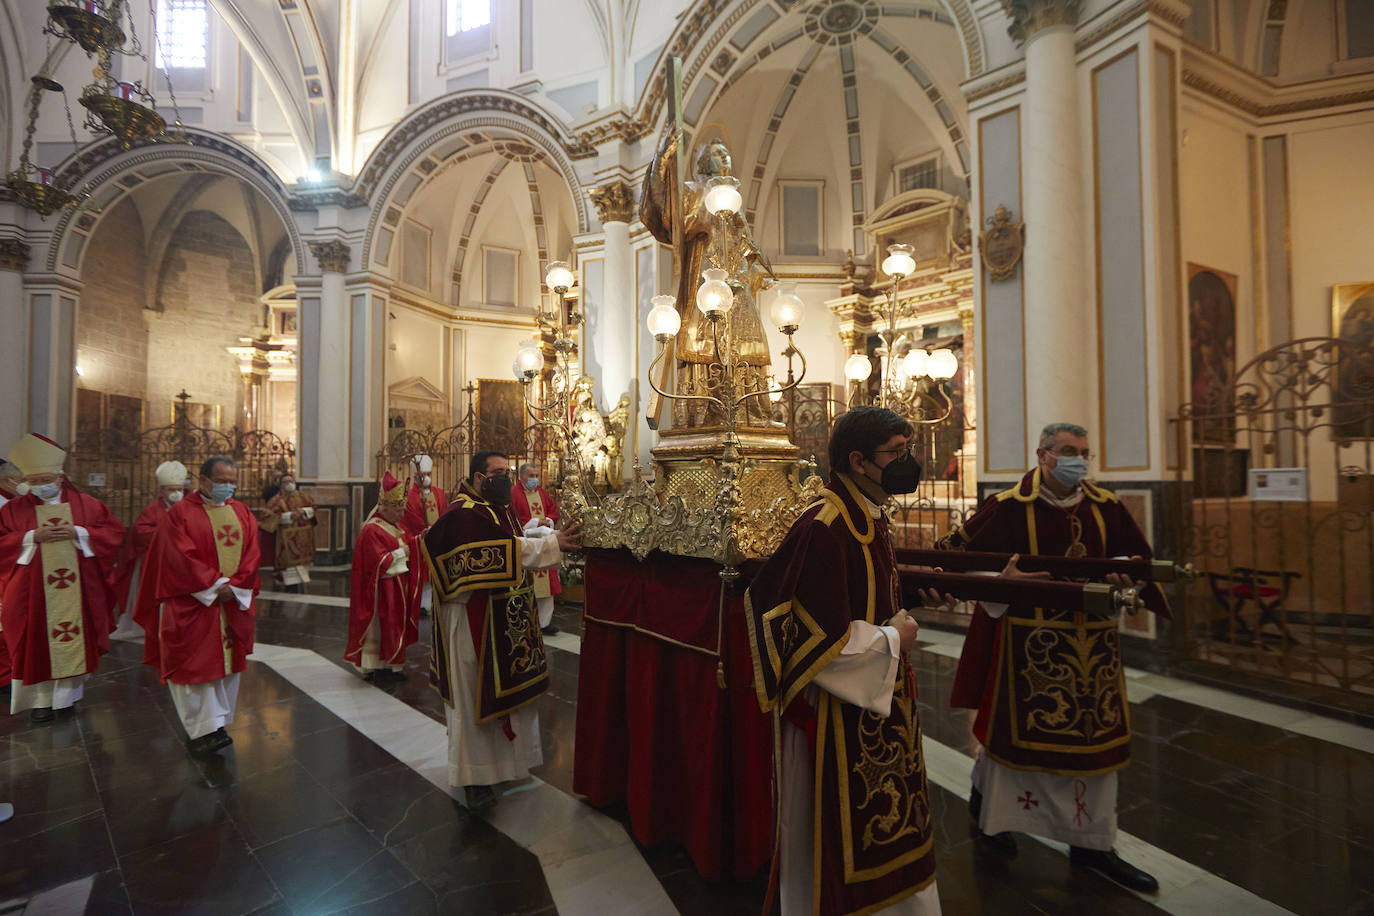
(419, 340)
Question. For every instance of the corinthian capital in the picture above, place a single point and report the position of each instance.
(1030, 16)
(333, 255)
(14, 254)
(614, 202)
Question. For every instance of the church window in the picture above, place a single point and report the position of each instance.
(802, 231)
(914, 174)
(1356, 22)
(183, 35)
(467, 29)
(466, 15)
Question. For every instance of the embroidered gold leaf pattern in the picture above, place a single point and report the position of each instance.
(1072, 681)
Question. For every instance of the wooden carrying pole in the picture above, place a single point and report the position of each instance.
(1059, 567)
(1091, 598)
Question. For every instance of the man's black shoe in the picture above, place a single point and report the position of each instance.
(217, 739)
(1110, 865)
(41, 714)
(479, 798)
(1002, 842)
(550, 630)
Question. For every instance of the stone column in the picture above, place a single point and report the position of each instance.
(323, 324)
(615, 336)
(52, 303)
(1060, 368)
(14, 367)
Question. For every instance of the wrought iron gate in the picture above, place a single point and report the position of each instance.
(1276, 518)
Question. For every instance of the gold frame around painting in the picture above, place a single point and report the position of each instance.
(196, 414)
(1343, 296)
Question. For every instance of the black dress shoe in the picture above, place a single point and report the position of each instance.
(1110, 865)
(41, 714)
(218, 739)
(550, 630)
(479, 798)
(1002, 842)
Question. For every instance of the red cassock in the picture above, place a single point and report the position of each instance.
(188, 642)
(38, 632)
(423, 509)
(393, 600)
(136, 544)
(526, 506)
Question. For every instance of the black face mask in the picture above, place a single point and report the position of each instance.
(901, 475)
(496, 489)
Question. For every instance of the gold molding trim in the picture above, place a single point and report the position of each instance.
(1247, 104)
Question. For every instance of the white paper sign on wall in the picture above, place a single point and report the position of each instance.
(1279, 485)
(95, 480)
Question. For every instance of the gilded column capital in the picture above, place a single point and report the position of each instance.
(14, 254)
(854, 342)
(614, 202)
(333, 255)
(1031, 16)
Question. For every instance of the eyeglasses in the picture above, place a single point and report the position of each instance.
(909, 448)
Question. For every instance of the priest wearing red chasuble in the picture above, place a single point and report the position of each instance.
(171, 481)
(829, 639)
(534, 506)
(384, 601)
(488, 659)
(56, 546)
(198, 603)
(1048, 685)
(424, 504)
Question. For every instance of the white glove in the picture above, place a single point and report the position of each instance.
(286, 517)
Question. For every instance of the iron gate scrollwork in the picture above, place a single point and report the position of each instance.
(1286, 575)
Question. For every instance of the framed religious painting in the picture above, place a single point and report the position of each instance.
(123, 423)
(1212, 353)
(501, 416)
(1352, 379)
(202, 416)
(90, 419)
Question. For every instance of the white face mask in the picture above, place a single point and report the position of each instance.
(424, 480)
(288, 487)
(174, 497)
(21, 488)
(46, 491)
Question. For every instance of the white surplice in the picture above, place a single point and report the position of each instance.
(203, 708)
(480, 754)
(126, 628)
(863, 674)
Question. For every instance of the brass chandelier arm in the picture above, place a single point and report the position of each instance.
(653, 369)
(786, 386)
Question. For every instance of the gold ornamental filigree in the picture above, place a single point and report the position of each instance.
(615, 202)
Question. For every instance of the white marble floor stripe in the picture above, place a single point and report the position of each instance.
(322, 600)
(1141, 685)
(577, 846)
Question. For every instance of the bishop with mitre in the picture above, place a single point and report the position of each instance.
(384, 601)
(198, 603)
(57, 546)
(171, 484)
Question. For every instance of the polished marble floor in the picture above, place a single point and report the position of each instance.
(330, 801)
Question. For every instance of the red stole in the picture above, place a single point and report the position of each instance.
(393, 600)
(24, 611)
(473, 548)
(1048, 684)
(872, 835)
(135, 546)
(188, 642)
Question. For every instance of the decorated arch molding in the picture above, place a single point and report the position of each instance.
(106, 165)
(407, 148)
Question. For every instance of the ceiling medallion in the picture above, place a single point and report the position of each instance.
(840, 21)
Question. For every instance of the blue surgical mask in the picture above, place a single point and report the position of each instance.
(46, 491)
(221, 492)
(1070, 471)
(532, 483)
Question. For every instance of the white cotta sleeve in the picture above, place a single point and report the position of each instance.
(207, 596)
(866, 668)
(539, 552)
(30, 548)
(83, 541)
(399, 564)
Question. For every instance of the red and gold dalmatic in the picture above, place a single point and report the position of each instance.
(188, 642)
(1048, 685)
(530, 504)
(57, 611)
(872, 836)
(473, 549)
(296, 538)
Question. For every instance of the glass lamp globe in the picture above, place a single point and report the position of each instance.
(915, 362)
(787, 309)
(558, 276)
(899, 262)
(663, 319)
(723, 196)
(857, 368)
(714, 295)
(528, 362)
(943, 364)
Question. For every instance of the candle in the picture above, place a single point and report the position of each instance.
(126, 91)
(44, 176)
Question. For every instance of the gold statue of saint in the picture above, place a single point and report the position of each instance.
(704, 241)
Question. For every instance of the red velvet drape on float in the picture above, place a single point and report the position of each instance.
(691, 762)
